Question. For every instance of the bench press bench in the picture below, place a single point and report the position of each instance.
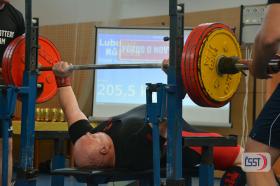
(205, 172)
(102, 176)
(155, 113)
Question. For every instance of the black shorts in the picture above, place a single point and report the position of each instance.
(267, 126)
(10, 129)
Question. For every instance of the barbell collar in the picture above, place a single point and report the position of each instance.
(229, 65)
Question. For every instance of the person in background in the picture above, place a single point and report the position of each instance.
(265, 134)
(11, 26)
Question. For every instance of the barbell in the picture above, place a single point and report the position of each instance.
(210, 68)
(109, 66)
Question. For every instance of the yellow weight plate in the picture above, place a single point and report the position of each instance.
(218, 87)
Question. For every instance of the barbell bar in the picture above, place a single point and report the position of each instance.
(226, 65)
(109, 66)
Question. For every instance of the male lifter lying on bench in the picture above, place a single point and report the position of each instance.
(125, 141)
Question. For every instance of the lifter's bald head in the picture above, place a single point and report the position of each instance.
(94, 150)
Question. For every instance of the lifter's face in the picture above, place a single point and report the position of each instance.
(95, 150)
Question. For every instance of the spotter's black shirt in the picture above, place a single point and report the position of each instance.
(11, 26)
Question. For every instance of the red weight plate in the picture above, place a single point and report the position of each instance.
(201, 98)
(15, 43)
(194, 82)
(48, 55)
(190, 68)
(5, 67)
(5, 63)
(189, 64)
(208, 100)
(210, 29)
(187, 68)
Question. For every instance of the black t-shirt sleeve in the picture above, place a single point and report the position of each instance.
(273, 1)
(78, 129)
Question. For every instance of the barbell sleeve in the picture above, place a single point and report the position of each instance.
(271, 64)
(232, 65)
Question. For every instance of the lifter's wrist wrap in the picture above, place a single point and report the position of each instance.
(63, 81)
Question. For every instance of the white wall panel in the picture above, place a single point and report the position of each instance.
(71, 11)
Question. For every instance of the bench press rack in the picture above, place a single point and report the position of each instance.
(8, 96)
(174, 92)
(169, 95)
(26, 173)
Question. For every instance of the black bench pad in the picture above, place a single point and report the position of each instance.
(109, 175)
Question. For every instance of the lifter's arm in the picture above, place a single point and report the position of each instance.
(69, 105)
(66, 96)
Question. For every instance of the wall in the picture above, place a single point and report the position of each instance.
(73, 11)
